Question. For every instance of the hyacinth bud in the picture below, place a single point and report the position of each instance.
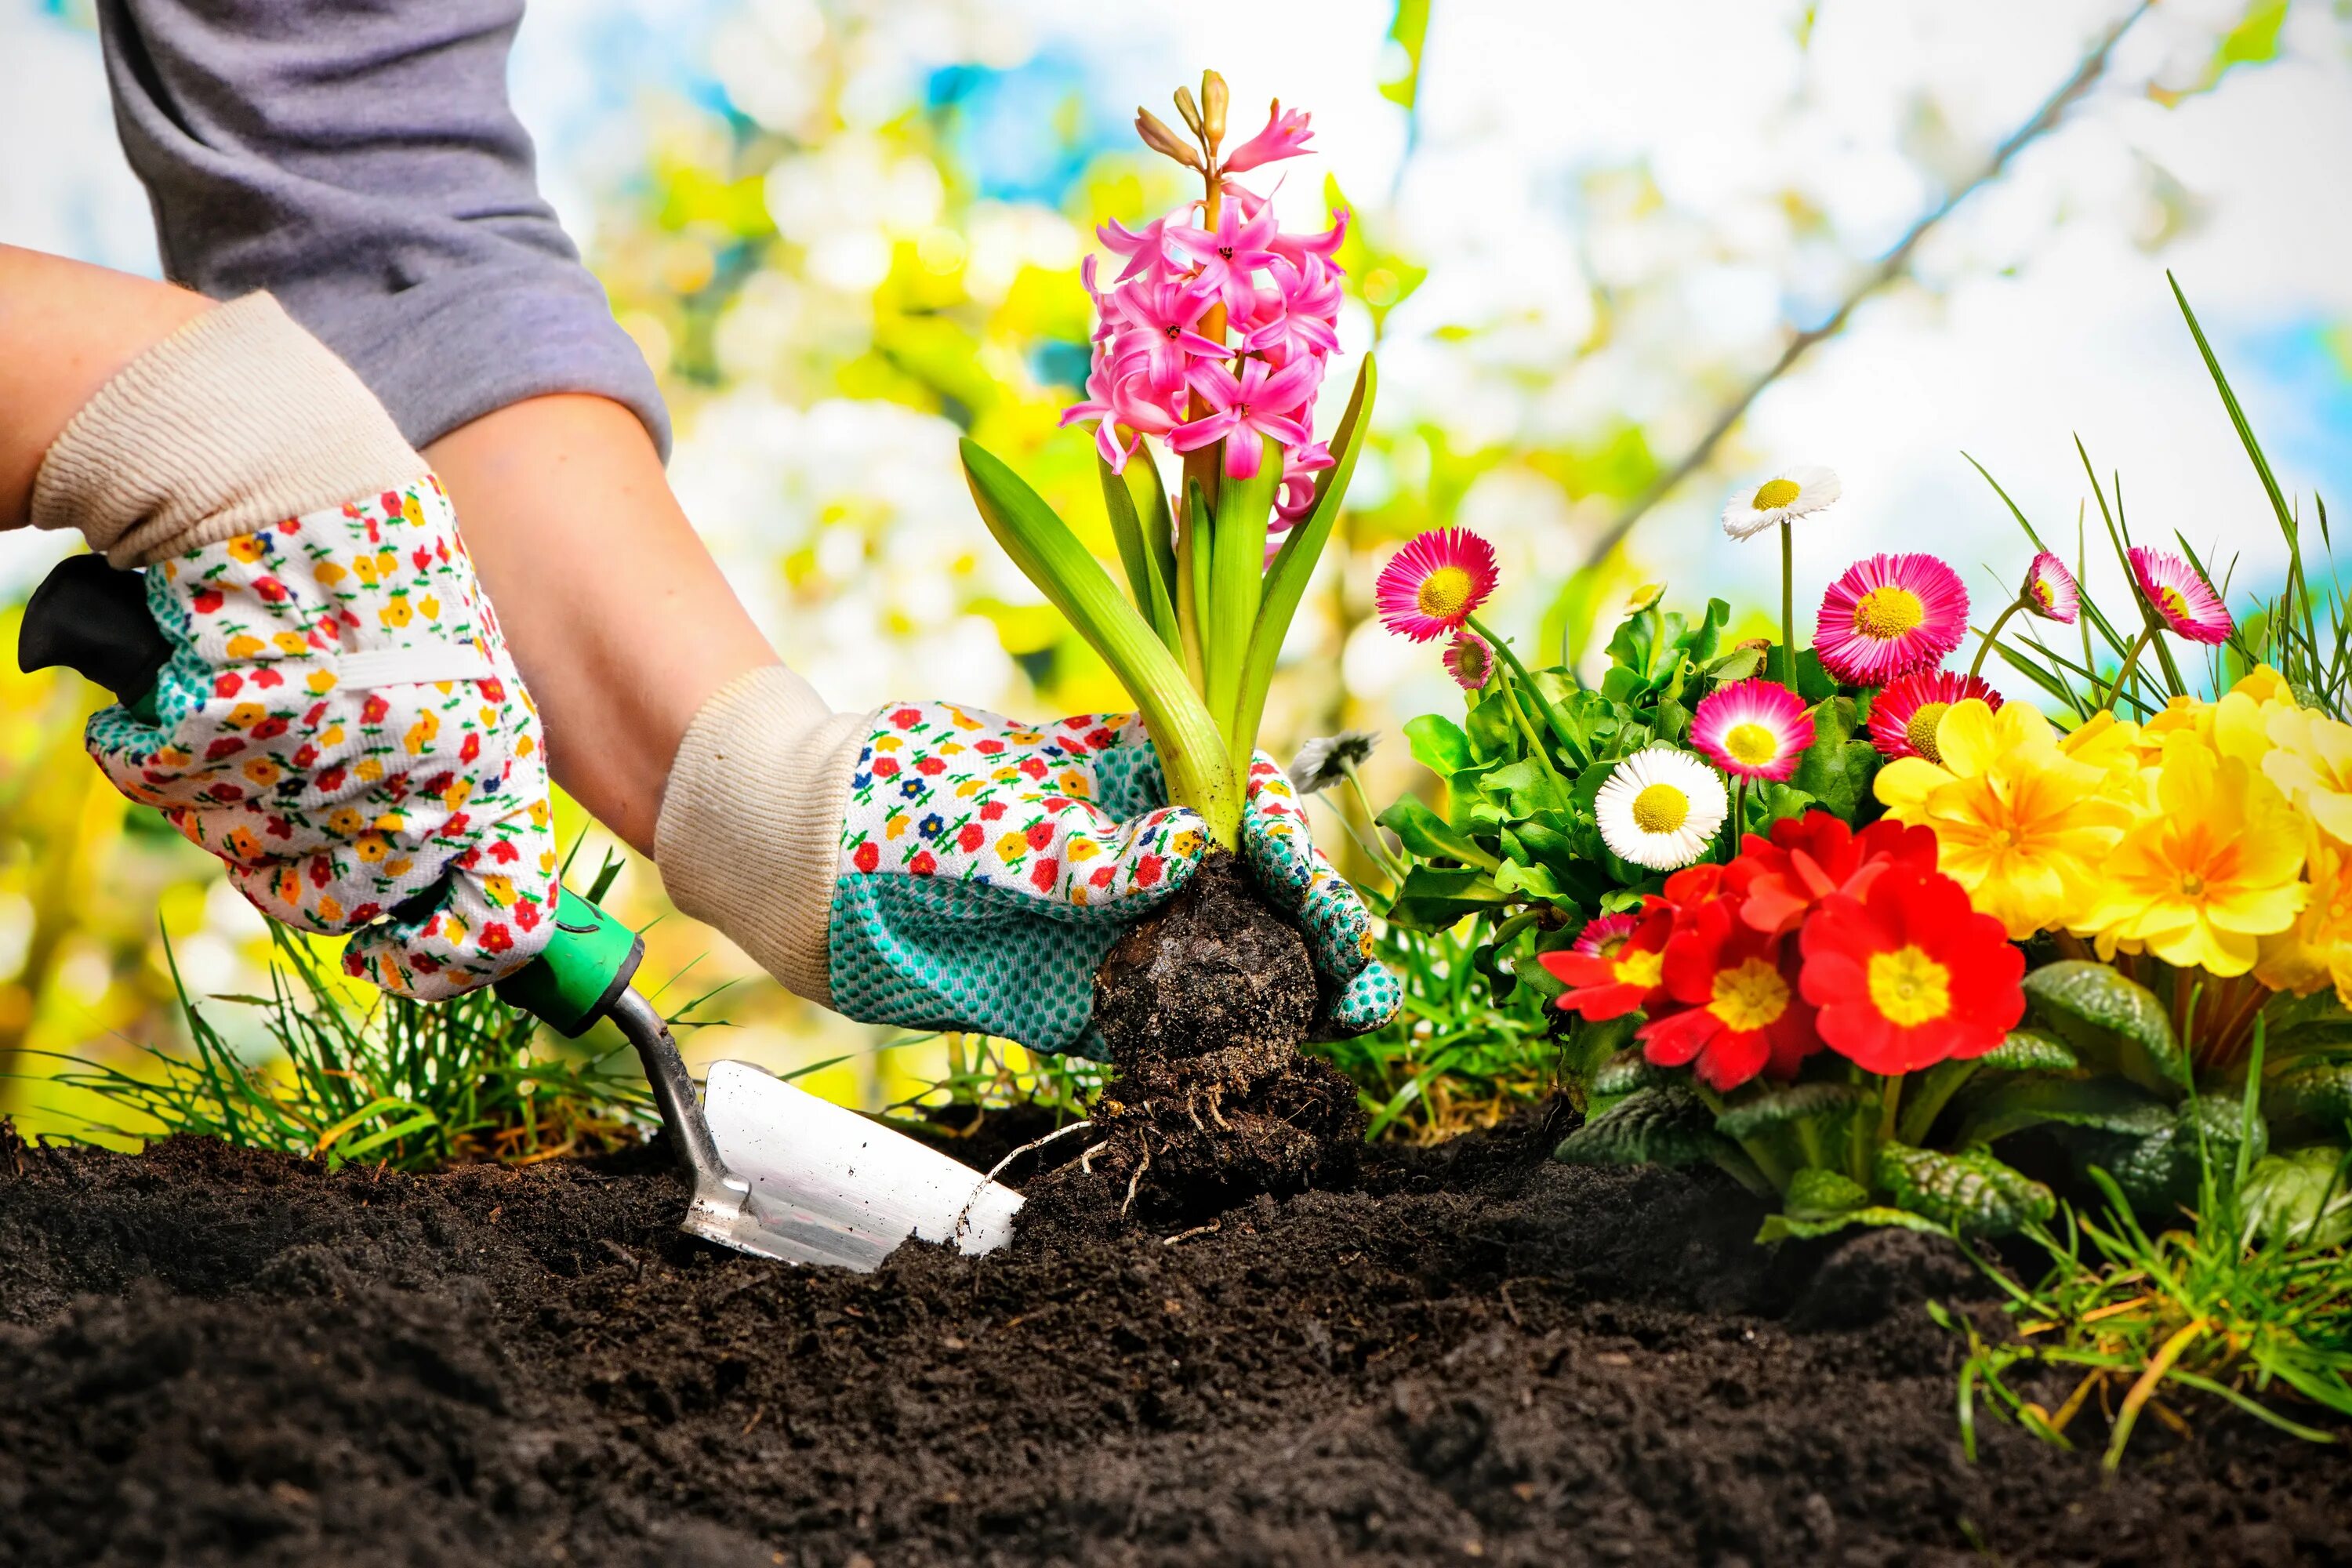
(1212, 107)
(1160, 139)
(1188, 109)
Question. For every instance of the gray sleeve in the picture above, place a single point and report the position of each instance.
(362, 162)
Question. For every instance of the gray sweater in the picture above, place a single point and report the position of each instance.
(361, 162)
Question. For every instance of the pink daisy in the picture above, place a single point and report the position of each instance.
(1888, 615)
(2181, 595)
(1602, 936)
(1435, 583)
(2050, 590)
(1903, 717)
(1752, 730)
(1470, 660)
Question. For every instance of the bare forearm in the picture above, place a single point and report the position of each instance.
(65, 328)
(619, 619)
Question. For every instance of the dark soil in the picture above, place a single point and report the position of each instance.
(210, 1356)
(1202, 1004)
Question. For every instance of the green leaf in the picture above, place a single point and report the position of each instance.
(1434, 899)
(1738, 665)
(2303, 1197)
(2110, 1104)
(1192, 750)
(2030, 1050)
(1791, 1227)
(1972, 1192)
(2114, 1021)
(1836, 769)
(1773, 1107)
(1439, 744)
(2160, 1170)
(1153, 595)
(1667, 1124)
(1237, 578)
(1815, 1193)
(1431, 837)
(1628, 1070)
(2318, 1091)
(1285, 582)
(1407, 30)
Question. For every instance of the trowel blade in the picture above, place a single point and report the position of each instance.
(827, 1185)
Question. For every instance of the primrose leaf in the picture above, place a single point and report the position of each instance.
(1799, 1227)
(2030, 1050)
(1430, 835)
(2160, 1170)
(2108, 1104)
(2301, 1198)
(1972, 1192)
(2114, 1021)
(1439, 744)
(1778, 1107)
(1433, 898)
(1666, 1124)
(1816, 1192)
(1628, 1070)
(2317, 1091)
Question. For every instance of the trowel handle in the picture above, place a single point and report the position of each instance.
(582, 973)
(89, 617)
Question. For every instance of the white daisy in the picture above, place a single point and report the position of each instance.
(1660, 808)
(1779, 497)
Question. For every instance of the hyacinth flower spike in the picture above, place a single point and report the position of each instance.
(1212, 341)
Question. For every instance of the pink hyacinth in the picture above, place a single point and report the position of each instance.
(1218, 331)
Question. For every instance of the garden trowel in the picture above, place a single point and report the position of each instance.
(776, 1172)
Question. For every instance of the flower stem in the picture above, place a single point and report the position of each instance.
(1527, 727)
(2116, 692)
(1992, 632)
(1890, 1103)
(1787, 608)
(1378, 846)
(1739, 820)
(1558, 725)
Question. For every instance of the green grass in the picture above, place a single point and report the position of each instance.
(389, 1081)
(2137, 1325)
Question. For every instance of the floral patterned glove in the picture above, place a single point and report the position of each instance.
(340, 723)
(987, 866)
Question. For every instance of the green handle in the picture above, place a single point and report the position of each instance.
(581, 972)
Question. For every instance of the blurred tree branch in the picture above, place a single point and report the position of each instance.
(1893, 266)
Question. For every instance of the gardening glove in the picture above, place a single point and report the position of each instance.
(337, 720)
(938, 866)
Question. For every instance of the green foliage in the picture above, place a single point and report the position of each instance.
(394, 1082)
(2114, 1021)
(1664, 1124)
(1970, 1193)
(2300, 1196)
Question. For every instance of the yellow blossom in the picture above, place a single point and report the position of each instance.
(2312, 762)
(2216, 865)
(2018, 823)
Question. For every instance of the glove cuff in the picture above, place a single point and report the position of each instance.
(237, 420)
(749, 839)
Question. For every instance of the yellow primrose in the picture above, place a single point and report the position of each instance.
(2215, 866)
(2312, 762)
(2018, 823)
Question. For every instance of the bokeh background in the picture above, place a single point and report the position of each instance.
(1615, 260)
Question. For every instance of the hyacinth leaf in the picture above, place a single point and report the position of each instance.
(1666, 1124)
(1159, 528)
(2030, 1050)
(2311, 1091)
(1970, 1193)
(1430, 835)
(2302, 1198)
(2114, 1021)
(1627, 1071)
(1152, 592)
(2107, 1104)
(1433, 899)
(1236, 576)
(1778, 1107)
(1192, 752)
(1285, 580)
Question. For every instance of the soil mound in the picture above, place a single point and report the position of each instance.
(211, 1357)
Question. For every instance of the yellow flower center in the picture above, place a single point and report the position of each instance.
(1774, 493)
(1751, 996)
(1444, 594)
(1887, 612)
(1643, 968)
(1909, 987)
(1921, 730)
(1752, 745)
(1660, 808)
(2192, 886)
(2044, 594)
(2170, 600)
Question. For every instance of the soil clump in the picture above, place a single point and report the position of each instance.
(211, 1356)
(1203, 1004)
